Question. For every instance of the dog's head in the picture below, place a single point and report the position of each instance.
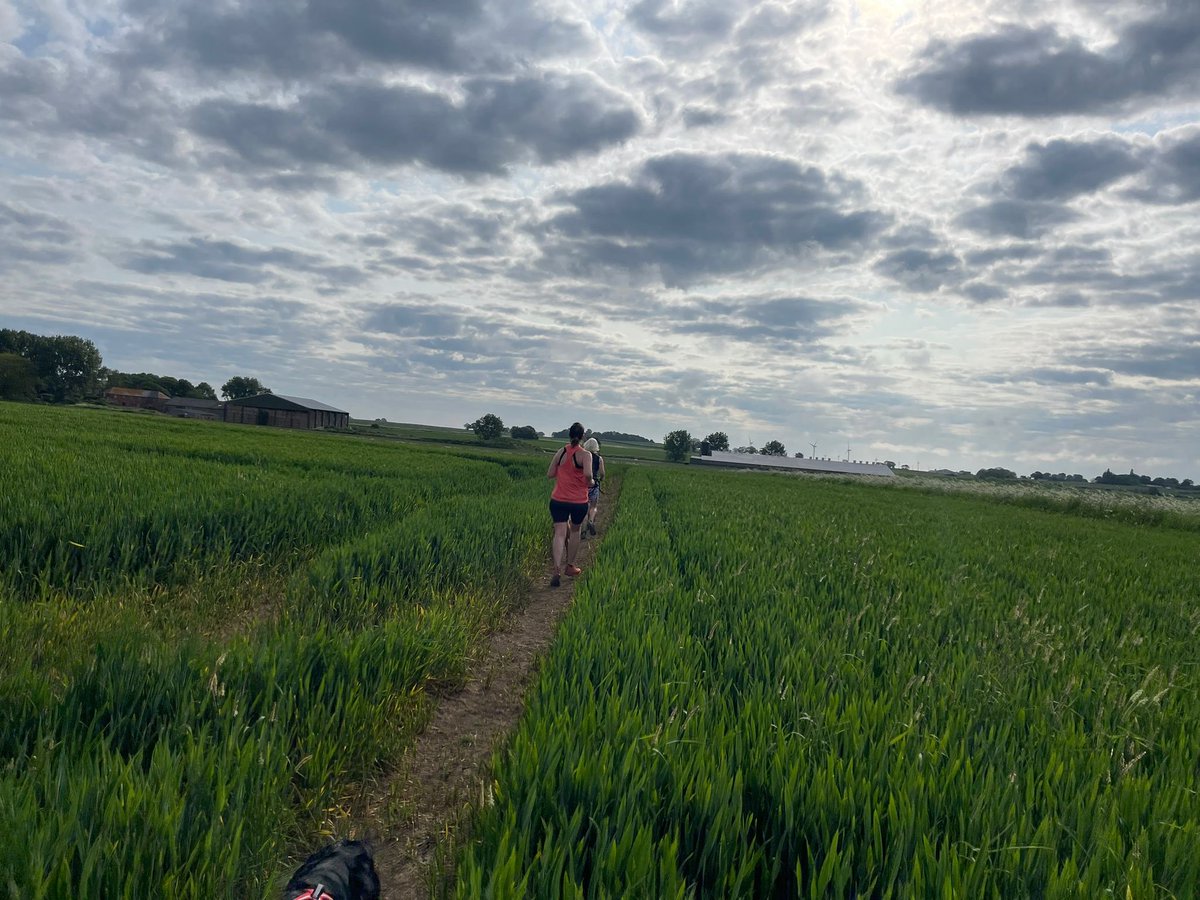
(344, 870)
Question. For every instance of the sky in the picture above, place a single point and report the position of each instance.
(948, 234)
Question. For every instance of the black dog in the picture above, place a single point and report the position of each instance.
(344, 870)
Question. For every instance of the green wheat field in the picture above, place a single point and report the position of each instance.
(768, 685)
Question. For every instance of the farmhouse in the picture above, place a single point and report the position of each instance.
(195, 408)
(285, 412)
(136, 399)
(790, 464)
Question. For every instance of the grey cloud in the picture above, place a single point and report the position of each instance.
(303, 39)
(1041, 72)
(543, 118)
(993, 255)
(1062, 169)
(49, 97)
(685, 216)
(1173, 359)
(921, 270)
(1025, 219)
(1173, 174)
(30, 237)
(233, 262)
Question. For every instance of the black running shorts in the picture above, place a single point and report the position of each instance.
(561, 512)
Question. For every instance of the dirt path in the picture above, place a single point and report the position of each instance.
(441, 776)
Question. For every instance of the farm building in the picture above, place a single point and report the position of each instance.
(195, 408)
(135, 398)
(790, 464)
(285, 412)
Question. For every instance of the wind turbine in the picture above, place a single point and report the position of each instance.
(814, 446)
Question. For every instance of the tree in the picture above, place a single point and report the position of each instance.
(203, 391)
(798, 455)
(66, 368)
(524, 432)
(718, 441)
(240, 387)
(678, 445)
(773, 448)
(749, 448)
(18, 381)
(488, 427)
(996, 473)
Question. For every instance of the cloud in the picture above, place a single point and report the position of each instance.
(540, 118)
(683, 217)
(776, 321)
(29, 238)
(1062, 169)
(224, 260)
(1025, 219)
(1172, 174)
(921, 270)
(1038, 71)
(312, 38)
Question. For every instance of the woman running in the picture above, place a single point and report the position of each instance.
(592, 446)
(571, 470)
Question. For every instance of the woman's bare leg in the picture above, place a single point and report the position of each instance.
(558, 545)
(573, 544)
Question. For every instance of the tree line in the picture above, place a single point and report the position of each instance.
(64, 368)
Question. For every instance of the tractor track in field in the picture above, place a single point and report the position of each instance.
(442, 776)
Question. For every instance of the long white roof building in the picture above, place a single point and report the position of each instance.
(791, 464)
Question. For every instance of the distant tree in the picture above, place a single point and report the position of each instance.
(18, 380)
(524, 432)
(66, 368)
(773, 448)
(203, 391)
(749, 448)
(718, 441)
(889, 463)
(997, 472)
(1186, 483)
(678, 444)
(798, 455)
(622, 436)
(240, 387)
(488, 427)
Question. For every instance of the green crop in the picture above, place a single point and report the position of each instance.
(212, 634)
(782, 687)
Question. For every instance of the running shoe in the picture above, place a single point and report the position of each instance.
(573, 571)
(555, 581)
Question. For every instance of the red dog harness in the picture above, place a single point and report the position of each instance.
(317, 893)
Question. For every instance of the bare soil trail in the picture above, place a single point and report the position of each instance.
(443, 774)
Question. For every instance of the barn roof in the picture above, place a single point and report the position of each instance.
(283, 401)
(137, 392)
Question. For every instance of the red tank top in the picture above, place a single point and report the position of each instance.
(570, 480)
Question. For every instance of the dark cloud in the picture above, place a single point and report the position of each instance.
(53, 98)
(229, 261)
(921, 270)
(1062, 169)
(544, 118)
(1173, 174)
(1171, 359)
(686, 216)
(981, 259)
(296, 40)
(1042, 72)
(1025, 219)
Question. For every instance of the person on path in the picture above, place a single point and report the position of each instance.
(592, 446)
(571, 470)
